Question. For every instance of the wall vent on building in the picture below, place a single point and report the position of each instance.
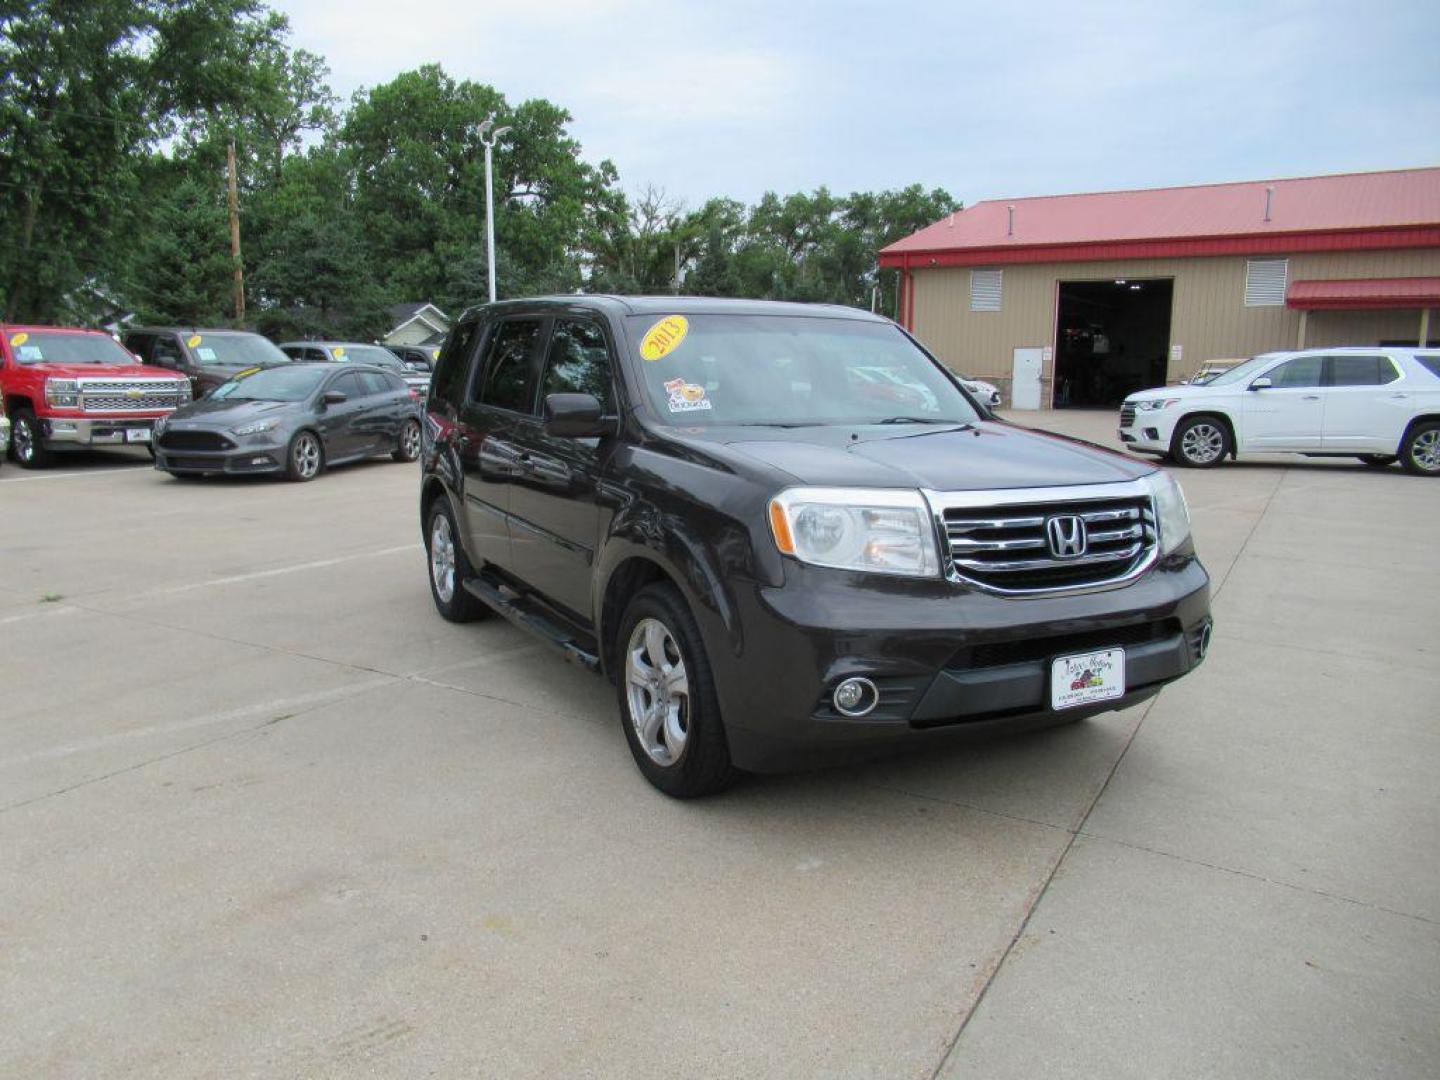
(1265, 282)
(985, 290)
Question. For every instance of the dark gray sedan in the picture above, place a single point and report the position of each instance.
(296, 420)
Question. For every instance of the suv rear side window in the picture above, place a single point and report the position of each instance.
(1361, 371)
(507, 369)
(1430, 362)
(579, 362)
(453, 364)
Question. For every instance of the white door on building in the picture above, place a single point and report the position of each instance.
(1025, 384)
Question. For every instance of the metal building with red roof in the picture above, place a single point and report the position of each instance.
(1080, 299)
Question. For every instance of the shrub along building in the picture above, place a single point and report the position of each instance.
(1073, 300)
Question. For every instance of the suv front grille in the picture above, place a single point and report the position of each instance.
(128, 395)
(1007, 545)
(1127, 416)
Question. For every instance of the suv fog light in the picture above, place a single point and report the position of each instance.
(1152, 434)
(855, 697)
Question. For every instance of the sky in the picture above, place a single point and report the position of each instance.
(989, 100)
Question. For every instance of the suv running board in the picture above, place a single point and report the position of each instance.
(518, 611)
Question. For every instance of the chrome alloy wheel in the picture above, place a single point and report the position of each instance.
(410, 440)
(658, 691)
(1202, 443)
(22, 440)
(1425, 451)
(307, 456)
(442, 558)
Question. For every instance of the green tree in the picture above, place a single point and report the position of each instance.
(88, 90)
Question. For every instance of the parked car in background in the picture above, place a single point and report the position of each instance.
(207, 357)
(988, 393)
(70, 389)
(358, 353)
(417, 357)
(776, 558)
(4, 427)
(296, 419)
(1376, 404)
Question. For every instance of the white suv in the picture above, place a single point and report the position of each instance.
(1375, 404)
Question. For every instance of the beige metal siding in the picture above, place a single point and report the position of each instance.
(1209, 319)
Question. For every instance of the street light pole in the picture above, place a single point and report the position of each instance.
(487, 140)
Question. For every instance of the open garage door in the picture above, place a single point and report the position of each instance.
(1112, 338)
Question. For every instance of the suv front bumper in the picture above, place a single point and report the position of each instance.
(948, 661)
(63, 434)
(1148, 431)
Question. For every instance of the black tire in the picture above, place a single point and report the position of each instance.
(407, 447)
(1420, 452)
(25, 445)
(1379, 461)
(702, 765)
(1200, 442)
(305, 457)
(454, 603)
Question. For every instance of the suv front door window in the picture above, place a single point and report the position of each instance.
(1289, 414)
(554, 512)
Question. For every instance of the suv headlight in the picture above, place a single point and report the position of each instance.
(1172, 516)
(62, 393)
(871, 529)
(1154, 403)
(258, 427)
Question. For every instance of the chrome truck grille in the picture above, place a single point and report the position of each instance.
(129, 395)
(1041, 541)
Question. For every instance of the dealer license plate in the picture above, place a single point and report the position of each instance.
(137, 434)
(1087, 678)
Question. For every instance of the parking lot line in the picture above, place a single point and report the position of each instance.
(318, 564)
(77, 475)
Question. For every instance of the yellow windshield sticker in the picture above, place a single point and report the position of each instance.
(247, 371)
(20, 339)
(434, 354)
(664, 337)
(338, 352)
(193, 340)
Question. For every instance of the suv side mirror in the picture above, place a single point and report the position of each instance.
(1262, 383)
(576, 416)
(334, 397)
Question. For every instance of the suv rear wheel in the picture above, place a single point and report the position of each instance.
(668, 705)
(449, 566)
(1420, 453)
(1201, 442)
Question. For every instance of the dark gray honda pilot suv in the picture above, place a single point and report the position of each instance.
(788, 535)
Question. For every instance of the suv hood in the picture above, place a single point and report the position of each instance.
(99, 371)
(979, 456)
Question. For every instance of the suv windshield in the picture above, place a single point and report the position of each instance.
(1240, 372)
(367, 354)
(235, 350)
(38, 347)
(790, 370)
(272, 384)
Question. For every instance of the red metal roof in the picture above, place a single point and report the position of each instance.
(1355, 210)
(1412, 292)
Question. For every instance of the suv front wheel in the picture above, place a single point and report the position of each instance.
(668, 705)
(1200, 442)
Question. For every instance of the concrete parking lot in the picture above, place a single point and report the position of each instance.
(262, 812)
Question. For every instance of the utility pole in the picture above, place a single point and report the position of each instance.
(235, 236)
(487, 140)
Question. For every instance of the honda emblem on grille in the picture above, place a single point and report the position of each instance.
(1067, 536)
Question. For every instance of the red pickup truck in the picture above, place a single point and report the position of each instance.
(68, 389)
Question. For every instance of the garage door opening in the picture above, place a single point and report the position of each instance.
(1113, 338)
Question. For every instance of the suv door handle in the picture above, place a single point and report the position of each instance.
(1311, 397)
